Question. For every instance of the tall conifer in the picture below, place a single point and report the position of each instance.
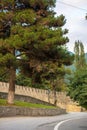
(80, 61)
(30, 34)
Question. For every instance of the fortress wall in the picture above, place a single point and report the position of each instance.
(62, 100)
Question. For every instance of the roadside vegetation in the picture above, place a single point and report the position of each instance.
(78, 82)
(3, 102)
(33, 51)
(32, 43)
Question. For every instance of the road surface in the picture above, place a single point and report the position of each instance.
(73, 124)
(45, 123)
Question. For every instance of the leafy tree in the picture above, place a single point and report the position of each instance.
(30, 35)
(78, 84)
(78, 87)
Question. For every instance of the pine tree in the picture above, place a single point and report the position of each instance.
(30, 34)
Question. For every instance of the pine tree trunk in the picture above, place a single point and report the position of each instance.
(55, 98)
(11, 91)
(54, 91)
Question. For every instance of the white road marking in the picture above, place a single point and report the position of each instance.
(58, 125)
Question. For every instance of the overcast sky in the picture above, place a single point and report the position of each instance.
(74, 12)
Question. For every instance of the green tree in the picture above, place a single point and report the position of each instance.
(23, 80)
(78, 87)
(80, 61)
(78, 84)
(30, 34)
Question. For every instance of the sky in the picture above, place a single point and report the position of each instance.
(74, 12)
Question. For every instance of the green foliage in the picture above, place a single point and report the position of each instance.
(7, 60)
(78, 87)
(4, 74)
(25, 16)
(42, 32)
(80, 61)
(22, 80)
(78, 81)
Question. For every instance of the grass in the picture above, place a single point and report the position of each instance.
(25, 104)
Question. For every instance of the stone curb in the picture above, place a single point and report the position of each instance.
(7, 111)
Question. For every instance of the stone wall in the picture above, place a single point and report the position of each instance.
(20, 111)
(63, 101)
(25, 99)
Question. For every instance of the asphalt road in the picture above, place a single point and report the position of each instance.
(76, 124)
(45, 123)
